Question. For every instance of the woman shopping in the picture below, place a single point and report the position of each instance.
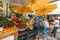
(56, 26)
(46, 27)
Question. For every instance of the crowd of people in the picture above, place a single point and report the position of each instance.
(48, 25)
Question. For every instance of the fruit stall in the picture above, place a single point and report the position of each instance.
(16, 27)
(7, 29)
(17, 20)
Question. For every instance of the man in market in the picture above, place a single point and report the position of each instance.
(36, 25)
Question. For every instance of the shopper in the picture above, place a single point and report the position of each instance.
(52, 24)
(46, 27)
(56, 26)
(36, 25)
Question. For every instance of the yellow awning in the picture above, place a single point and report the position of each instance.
(38, 4)
(46, 10)
(22, 10)
(31, 6)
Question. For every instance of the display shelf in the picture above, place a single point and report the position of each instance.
(22, 33)
(26, 35)
(23, 37)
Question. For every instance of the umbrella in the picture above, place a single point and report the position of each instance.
(37, 4)
(31, 6)
(19, 10)
(46, 10)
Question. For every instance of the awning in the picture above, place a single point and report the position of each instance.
(37, 4)
(31, 6)
(46, 10)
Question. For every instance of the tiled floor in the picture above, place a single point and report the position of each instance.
(48, 37)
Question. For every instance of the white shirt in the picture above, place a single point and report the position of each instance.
(46, 24)
(57, 23)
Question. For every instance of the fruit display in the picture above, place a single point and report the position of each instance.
(1, 21)
(7, 31)
(14, 19)
(24, 20)
(21, 26)
(5, 23)
(30, 24)
(14, 22)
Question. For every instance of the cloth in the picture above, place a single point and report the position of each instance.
(54, 31)
(57, 23)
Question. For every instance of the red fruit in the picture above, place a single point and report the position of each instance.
(14, 19)
(21, 26)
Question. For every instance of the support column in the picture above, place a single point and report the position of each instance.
(5, 9)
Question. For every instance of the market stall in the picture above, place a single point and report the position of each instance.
(20, 24)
